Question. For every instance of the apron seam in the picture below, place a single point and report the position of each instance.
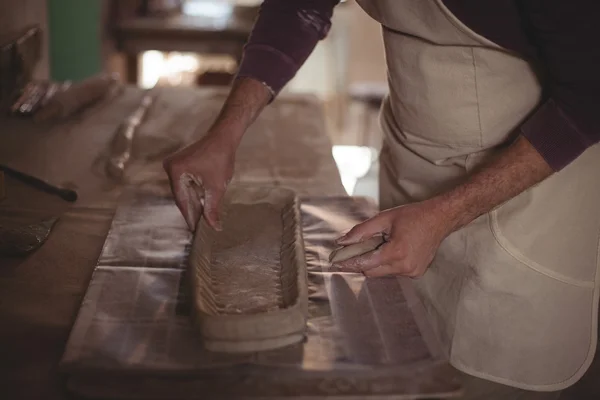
(458, 24)
(483, 41)
(521, 258)
(477, 97)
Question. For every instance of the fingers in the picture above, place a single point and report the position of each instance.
(198, 176)
(382, 270)
(211, 208)
(365, 230)
(195, 199)
(398, 269)
(179, 195)
(381, 262)
(365, 262)
(356, 249)
(189, 197)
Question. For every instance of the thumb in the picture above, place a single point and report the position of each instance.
(189, 198)
(212, 200)
(364, 231)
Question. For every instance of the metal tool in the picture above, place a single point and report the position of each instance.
(23, 239)
(64, 193)
(122, 142)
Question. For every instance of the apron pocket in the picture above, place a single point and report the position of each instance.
(554, 227)
(517, 326)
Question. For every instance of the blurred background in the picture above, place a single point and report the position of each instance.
(199, 43)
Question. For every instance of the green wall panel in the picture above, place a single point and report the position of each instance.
(74, 38)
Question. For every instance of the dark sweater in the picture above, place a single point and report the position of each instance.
(560, 36)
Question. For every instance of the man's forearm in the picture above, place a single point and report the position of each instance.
(247, 99)
(513, 171)
(284, 35)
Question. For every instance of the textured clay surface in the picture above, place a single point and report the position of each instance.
(246, 260)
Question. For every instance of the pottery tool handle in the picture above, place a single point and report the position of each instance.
(66, 194)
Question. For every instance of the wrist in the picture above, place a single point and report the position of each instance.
(225, 139)
(449, 211)
(228, 131)
(246, 100)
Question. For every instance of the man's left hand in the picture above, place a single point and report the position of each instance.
(413, 234)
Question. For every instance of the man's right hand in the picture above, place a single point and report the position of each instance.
(199, 175)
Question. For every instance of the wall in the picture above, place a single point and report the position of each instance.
(75, 44)
(352, 53)
(18, 14)
(366, 57)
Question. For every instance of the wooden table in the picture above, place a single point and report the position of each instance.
(40, 294)
(225, 34)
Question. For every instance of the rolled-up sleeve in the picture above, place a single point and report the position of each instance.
(284, 35)
(566, 35)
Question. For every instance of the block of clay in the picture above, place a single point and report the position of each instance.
(249, 281)
(357, 249)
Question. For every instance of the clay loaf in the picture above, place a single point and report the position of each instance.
(249, 280)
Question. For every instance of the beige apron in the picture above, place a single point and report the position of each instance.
(514, 295)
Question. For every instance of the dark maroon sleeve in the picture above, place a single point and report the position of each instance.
(284, 35)
(566, 34)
